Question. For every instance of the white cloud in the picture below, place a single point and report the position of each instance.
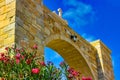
(88, 37)
(79, 14)
(113, 63)
(55, 56)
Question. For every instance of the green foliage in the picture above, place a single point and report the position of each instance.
(18, 64)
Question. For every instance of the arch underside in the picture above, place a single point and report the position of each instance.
(71, 55)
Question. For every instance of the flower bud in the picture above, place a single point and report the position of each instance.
(35, 70)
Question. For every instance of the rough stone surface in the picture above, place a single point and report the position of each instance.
(29, 22)
(7, 23)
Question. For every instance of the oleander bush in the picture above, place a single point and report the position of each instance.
(18, 64)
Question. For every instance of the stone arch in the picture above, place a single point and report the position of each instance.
(71, 53)
(30, 22)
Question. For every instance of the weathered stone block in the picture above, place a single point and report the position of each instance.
(19, 21)
(4, 36)
(9, 40)
(9, 1)
(6, 22)
(9, 27)
(2, 3)
(7, 8)
(11, 32)
(11, 13)
(3, 17)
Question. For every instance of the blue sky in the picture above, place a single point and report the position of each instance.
(92, 19)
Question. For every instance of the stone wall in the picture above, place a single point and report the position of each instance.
(29, 22)
(29, 28)
(35, 24)
(7, 23)
(105, 68)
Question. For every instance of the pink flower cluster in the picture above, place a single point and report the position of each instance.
(35, 70)
(18, 57)
(86, 78)
(73, 73)
(4, 58)
(29, 60)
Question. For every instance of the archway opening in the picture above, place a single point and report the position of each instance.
(53, 56)
(71, 55)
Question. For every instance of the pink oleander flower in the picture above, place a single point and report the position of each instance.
(42, 63)
(22, 50)
(61, 64)
(17, 61)
(6, 60)
(89, 78)
(35, 47)
(86, 78)
(83, 78)
(70, 76)
(2, 55)
(28, 61)
(22, 57)
(75, 73)
(35, 70)
(70, 70)
(17, 49)
(7, 48)
(17, 56)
